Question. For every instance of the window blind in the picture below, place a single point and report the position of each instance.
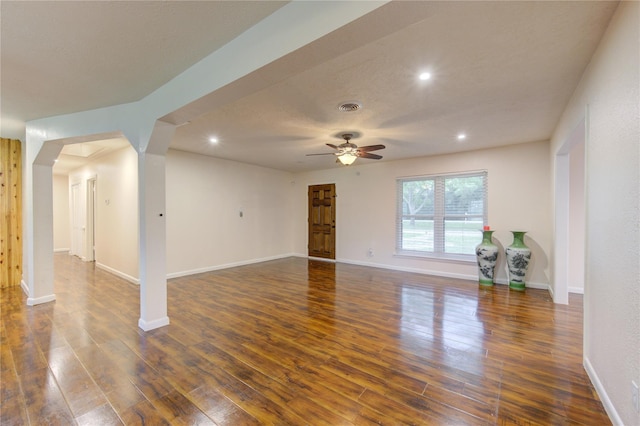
(441, 214)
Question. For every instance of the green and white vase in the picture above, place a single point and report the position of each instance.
(487, 255)
(518, 257)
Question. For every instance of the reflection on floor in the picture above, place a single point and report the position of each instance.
(294, 341)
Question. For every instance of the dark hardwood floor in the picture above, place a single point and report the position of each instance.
(293, 342)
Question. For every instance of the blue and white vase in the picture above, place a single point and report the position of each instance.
(487, 255)
(518, 257)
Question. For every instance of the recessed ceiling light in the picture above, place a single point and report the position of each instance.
(462, 136)
(213, 139)
(425, 76)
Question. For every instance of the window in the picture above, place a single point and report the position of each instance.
(441, 216)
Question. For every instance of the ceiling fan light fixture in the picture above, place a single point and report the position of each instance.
(347, 152)
(349, 106)
(347, 158)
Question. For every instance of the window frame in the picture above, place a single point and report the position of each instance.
(439, 215)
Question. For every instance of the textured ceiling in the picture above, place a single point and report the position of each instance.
(502, 73)
(60, 57)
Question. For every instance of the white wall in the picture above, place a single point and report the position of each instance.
(61, 215)
(205, 196)
(609, 90)
(116, 233)
(518, 199)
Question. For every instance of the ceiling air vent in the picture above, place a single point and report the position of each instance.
(349, 106)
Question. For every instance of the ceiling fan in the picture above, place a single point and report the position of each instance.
(347, 152)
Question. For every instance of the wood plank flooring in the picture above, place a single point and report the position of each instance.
(293, 342)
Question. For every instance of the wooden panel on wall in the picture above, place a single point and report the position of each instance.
(11, 212)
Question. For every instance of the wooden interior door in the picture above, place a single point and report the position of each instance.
(322, 221)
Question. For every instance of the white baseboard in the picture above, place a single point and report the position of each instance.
(576, 290)
(413, 270)
(602, 393)
(321, 259)
(528, 284)
(226, 266)
(32, 301)
(466, 277)
(122, 275)
(61, 250)
(550, 290)
(152, 325)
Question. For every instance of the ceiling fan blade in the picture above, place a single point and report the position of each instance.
(370, 148)
(369, 156)
(325, 153)
(332, 146)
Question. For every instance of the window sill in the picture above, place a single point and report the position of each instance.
(446, 257)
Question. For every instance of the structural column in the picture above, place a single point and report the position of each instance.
(153, 230)
(39, 222)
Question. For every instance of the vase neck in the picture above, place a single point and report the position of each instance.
(518, 238)
(486, 237)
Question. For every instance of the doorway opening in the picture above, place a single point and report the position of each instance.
(569, 261)
(91, 219)
(76, 221)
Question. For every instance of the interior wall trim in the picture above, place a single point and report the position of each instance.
(227, 265)
(32, 301)
(602, 393)
(467, 277)
(152, 325)
(120, 274)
